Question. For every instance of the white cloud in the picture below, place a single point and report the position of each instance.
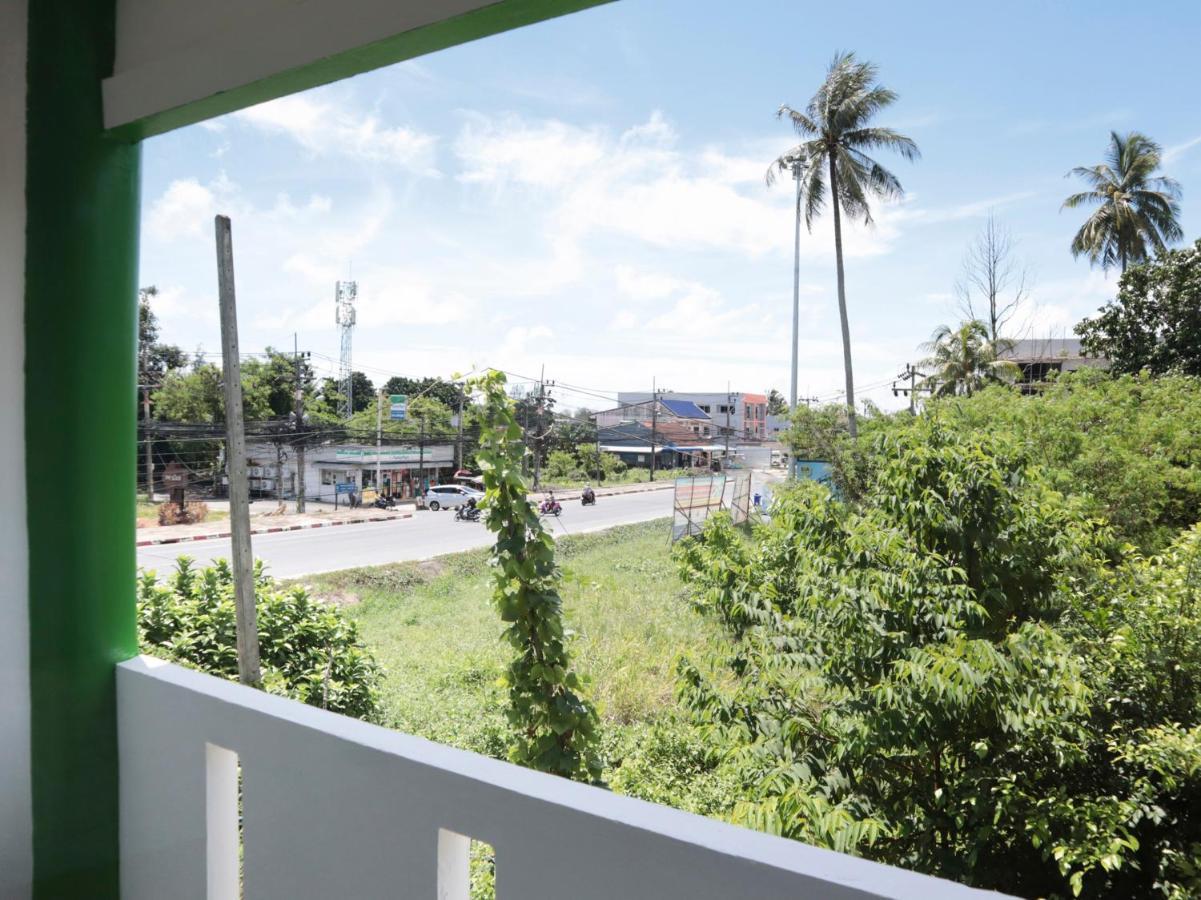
(642, 285)
(185, 209)
(550, 154)
(971, 210)
(1173, 153)
(332, 128)
(638, 185)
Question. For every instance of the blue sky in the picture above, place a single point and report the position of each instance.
(587, 193)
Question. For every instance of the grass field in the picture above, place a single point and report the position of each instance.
(432, 626)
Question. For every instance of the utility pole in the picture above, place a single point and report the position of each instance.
(654, 424)
(913, 375)
(727, 455)
(300, 438)
(798, 168)
(538, 432)
(149, 443)
(239, 499)
(459, 445)
(421, 457)
(379, 437)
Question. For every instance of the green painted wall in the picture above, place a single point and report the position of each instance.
(80, 336)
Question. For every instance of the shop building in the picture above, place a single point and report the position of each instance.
(404, 470)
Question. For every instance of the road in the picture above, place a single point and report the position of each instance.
(426, 534)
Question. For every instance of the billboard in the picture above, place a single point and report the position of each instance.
(695, 500)
(398, 407)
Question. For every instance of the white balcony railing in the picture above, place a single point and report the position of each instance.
(336, 808)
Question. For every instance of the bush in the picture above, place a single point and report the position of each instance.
(309, 651)
(1129, 446)
(561, 464)
(961, 674)
(172, 514)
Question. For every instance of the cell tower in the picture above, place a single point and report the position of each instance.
(344, 297)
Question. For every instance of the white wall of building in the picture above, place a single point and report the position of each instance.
(16, 823)
(714, 401)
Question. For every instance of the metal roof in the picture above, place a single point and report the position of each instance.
(685, 409)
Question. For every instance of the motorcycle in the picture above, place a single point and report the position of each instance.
(588, 498)
(384, 503)
(550, 507)
(467, 513)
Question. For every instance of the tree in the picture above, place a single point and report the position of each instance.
(362, 393)
(196, 396)
(961, 673)
(776, 404)
(1125, 448)
(426, 416)
(834, 159)
(965, 359)
(1138, 211)
(275, 373)
(448, 392)
(1155, 322)
(994, 285)
(155, 359)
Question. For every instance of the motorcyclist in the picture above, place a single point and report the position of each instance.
(589, 495)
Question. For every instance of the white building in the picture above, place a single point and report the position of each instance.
(744, 414)
(404, 470)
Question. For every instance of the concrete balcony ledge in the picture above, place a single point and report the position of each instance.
(334, 807)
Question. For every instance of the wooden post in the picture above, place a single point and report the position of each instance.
(239, 499)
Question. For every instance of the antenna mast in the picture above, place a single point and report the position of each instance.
(344, 297)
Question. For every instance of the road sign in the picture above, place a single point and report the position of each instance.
(344, 487)
(399, 406)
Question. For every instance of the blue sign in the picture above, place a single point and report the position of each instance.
(813, 470)
(399, 404)
(345, 487)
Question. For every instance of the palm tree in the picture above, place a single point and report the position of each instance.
(965, 359)
(1138, 212)
(833, 156)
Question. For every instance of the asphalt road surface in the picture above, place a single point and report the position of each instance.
(426, 534)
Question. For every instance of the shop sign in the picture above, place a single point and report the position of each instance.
(402, 454)
(345, 487)
(399, 404)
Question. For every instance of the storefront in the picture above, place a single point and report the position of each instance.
(404, 471)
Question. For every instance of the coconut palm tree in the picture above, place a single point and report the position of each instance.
(965, 359)
(1138, 211)
(834, 157)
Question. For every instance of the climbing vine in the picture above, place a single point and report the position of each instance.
(554, 727)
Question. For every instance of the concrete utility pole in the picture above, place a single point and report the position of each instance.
(538, 432)
(239, 490)
(149, 443)
(300, 438)
(913, 375)
(379, 438)
(421, 456)
(459, 445)
(654, 424)
(727, 456)
(798, 169)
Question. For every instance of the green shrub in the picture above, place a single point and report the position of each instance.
(669, 762)
(961, 674)
(561, 464)
(309, 651)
